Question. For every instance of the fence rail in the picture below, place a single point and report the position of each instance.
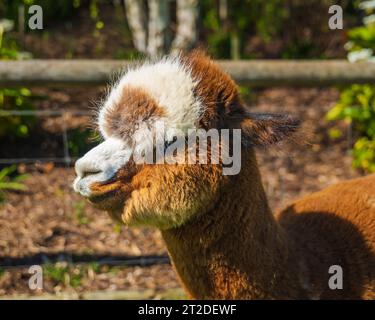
(250, 72)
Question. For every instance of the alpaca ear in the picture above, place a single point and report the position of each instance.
(260, 129)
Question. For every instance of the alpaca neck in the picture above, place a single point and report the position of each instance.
(236, 250)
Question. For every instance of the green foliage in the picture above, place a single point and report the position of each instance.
(127, 54)
(334, 133)
(52, 10)
(63, 274)
(357, 106)
(247, 94)
(362, 37)
(11, 182)
(117, 227)
(300, 49)
(364, 154)
(19, 100)
(81, 141)
(13, 98)
(79, 211)
(94, 266)
(98, 25)
(217, 40)
(290, 27)
(61, 10)
(244, 18)
(357, 102)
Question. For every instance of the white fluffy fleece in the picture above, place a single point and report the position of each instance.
(171, 85)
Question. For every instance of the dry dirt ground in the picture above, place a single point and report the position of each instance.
(49, 222)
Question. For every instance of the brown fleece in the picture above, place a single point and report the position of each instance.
(336, 226)
(238, 250)
(135, 106)
(217, 91)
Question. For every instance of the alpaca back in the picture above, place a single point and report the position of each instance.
(336, 226)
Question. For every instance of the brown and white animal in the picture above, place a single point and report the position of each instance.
(221, 235)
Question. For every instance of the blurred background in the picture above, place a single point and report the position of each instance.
(84, 254)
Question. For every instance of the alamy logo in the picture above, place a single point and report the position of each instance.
(36, 279)
(336, 20)
(159, 145)
(335, 281)
(36, 18)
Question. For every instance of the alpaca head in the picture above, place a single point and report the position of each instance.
(177, 94)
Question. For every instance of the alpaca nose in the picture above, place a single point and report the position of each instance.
(100, 164)
(85, 167)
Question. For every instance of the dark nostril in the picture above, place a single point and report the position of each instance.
(86, 168)
(90, 172)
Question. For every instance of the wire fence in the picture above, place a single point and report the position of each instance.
(67, 159)
(76, 259)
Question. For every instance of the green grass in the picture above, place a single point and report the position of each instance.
(63, 274)
(10, 181)
(79, 212)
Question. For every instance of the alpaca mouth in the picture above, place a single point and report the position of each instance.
(100, 197)
(104, 195)
(109, 196)
(109, 200)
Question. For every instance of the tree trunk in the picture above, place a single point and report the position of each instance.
(135, 13)
(186, 33)
(157, 27)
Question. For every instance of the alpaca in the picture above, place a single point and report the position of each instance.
(223, 239)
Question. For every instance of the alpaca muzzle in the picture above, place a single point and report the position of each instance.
(100, 165)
